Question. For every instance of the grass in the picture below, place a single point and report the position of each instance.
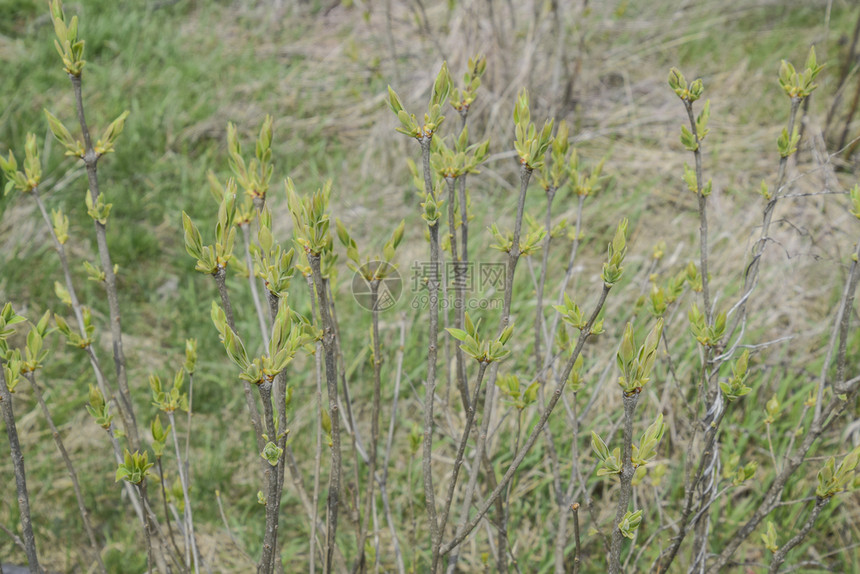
(185, 69)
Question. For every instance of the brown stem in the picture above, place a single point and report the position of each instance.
(374, 420)
(91, 162)
(458, 460)
(183, 480)
(626, 477)
(20, 475)
(270, 537)
(513, 258)
(538, 428)
(432, 348)
(55, 433)
(782, 553)
(166, 510)
(331, 384)
(220, 279)
(147, 527)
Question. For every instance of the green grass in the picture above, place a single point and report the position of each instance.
(187, 69)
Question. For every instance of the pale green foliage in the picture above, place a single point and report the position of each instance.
(463, 98)
(99, 409)
(254, 177)
(483, 351)
(104, 144)
(289, 334)
(832, 479)
(134, 467)
(772, 408)
(530, 144)
(74, 147)
(630, 523)
(272, 453)
(382, 266)
(172, 399)
(636, 366)
(69, 47)
(159, 436)
(409, 124)
(769, 537)
(519, 397)
(460, 160)
(212, 258)
(29, 179)
(610, 462)
(687, 92)
(708, 335)
(60, 223)
(98, 210)
(310, 218)
(74, 338)
(800, 84)
(34, 353)
(646, 450)
(612, 269)
(272, 263)
(735, 387)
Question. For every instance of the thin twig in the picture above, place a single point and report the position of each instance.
(91, 161)
(20, 475)
(55, 433)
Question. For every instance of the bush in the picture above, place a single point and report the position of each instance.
(698, 451)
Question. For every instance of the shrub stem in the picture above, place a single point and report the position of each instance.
(20, 475)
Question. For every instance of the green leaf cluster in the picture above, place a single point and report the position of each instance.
(520, 397)
(98, 210)
(800, 84)
(212, 258)
(383, 266)
(409, 124)
(636, 366)
(310, 218)
(787, 145)
(630, 523)
(462, 98)
(706, 335)
(735, 387)
(289, 334)
(483, 351)
(34, 354)
(612, 269)
(172, 399)
(585, 182)
(659, 298)
(99, 408)
(134, 467)
(272, 263)
(74, 147)
(29, 179)
(253, 177)
(687, 92)
(74, 338)
(769, 537)
(610, 462)
(159, 436)
(832, 479)
(70, 49)
(530, 144)
(462, 159)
